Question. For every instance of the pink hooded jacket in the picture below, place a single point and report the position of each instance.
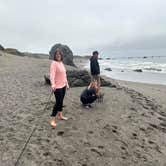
(58, 75)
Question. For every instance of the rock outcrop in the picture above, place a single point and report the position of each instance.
(1, 47)
(66, 53)
(80, 78)
(152, 69)
(108, 69)
(138, 70)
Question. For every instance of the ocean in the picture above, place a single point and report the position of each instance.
(153, 69)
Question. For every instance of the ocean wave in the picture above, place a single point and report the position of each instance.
(152, 69)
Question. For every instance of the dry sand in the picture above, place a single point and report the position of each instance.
(127, 129)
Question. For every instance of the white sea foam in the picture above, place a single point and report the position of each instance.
(154, 69)
(155, 64)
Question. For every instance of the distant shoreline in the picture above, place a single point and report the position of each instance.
(131, 76)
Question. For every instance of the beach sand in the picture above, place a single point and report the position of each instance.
(127, 129)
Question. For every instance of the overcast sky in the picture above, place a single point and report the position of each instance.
(83, 25)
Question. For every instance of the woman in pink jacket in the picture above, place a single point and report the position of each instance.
(59, 84)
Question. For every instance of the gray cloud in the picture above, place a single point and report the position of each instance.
(83, 25)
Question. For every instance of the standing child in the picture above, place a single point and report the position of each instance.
(95, 68)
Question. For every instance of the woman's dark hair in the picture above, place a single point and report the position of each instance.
(56, 53)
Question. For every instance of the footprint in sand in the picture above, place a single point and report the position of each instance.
(46, 154)
(133, 109)
(47, 140)
(129, 117)
(124, 153)
(107, 127)
(60, 133)
(97, 151)
(145, 107)
(84, 165)
(86, 143)
(30, 119)
(74, 128)
(162, 119)
(163, 113)
(123, 148)
(134, 136)
(59, 162)
(154, 145)
(151, 142)
(163, 124)
(114, 129)
(101, 147)
(90, 132)
(158, 127)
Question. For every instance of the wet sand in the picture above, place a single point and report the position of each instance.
(128, 128)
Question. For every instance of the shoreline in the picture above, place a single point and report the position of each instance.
(135, 77)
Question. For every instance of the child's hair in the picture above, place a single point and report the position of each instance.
(94, 85)
(95, 53)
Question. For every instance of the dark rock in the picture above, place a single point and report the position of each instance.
(66, 52)
(107, 83)
(108, 69)
(80, 78)
(108, 58)
(47, 79)
(122, 70)
(145, 57)
(1, 48)
(78, 83)
(152, 68)
(13, 51)
(138, 70)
